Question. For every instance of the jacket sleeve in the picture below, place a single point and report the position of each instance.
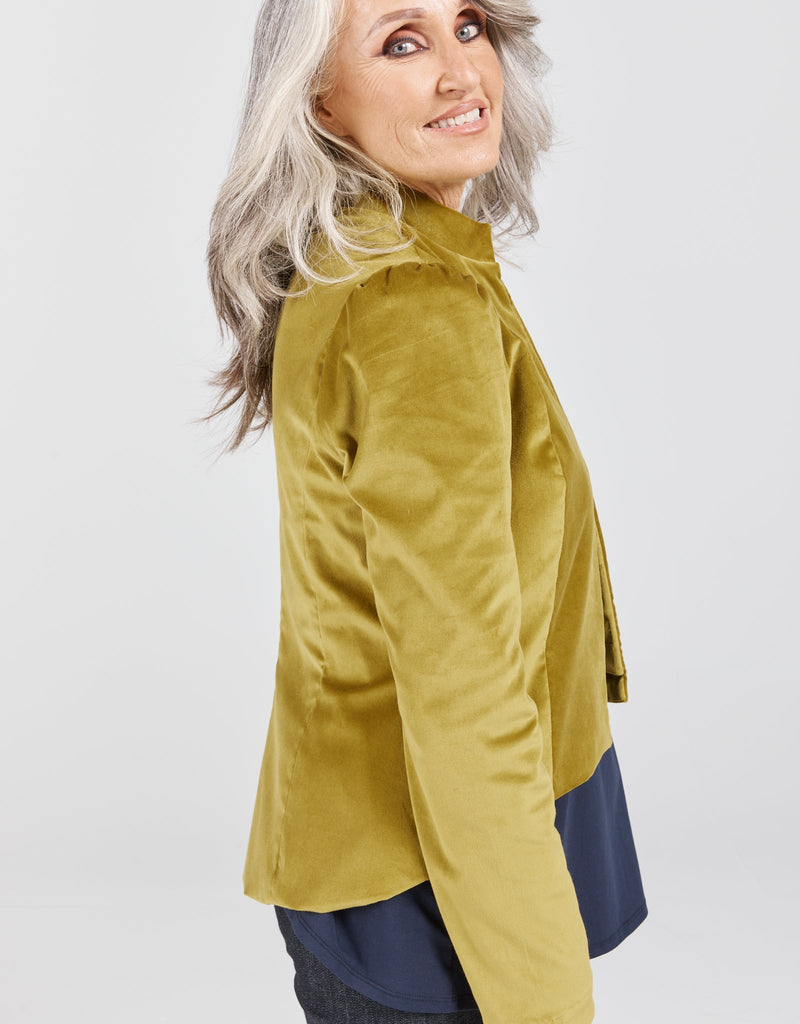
(419, 404)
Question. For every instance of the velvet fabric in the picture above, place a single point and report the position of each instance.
(448, 638)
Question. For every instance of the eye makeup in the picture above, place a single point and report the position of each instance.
(473, 19)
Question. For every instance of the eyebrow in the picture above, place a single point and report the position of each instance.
(409, 12)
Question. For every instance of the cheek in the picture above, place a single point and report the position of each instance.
(382, 111)
(493, 76)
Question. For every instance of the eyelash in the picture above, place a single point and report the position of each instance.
(387, 50)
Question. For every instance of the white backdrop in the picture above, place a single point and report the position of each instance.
(139, 587)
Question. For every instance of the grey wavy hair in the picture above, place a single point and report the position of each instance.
(289, 178)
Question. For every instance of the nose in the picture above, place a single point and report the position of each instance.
(458, 72)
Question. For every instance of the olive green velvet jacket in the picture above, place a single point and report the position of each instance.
(448, 639)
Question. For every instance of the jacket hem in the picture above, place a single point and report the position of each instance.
(273, 895)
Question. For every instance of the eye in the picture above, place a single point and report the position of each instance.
(402, 47)
(469, 31)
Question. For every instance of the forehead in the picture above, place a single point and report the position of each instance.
(371, 13)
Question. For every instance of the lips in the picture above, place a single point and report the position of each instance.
(454, 122)
(464, 113)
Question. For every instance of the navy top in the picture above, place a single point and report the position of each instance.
(397, 951)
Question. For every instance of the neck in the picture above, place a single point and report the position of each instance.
(447, 195)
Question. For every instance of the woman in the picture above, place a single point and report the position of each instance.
(440, 821)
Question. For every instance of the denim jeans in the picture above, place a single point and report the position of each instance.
(325, 999)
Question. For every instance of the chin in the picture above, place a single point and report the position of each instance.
(474, 169)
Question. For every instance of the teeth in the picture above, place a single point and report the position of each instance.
(453, 122)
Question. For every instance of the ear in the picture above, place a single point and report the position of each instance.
(328, 119)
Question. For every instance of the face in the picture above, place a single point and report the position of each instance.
(419, 90)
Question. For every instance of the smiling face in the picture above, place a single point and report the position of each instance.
(419, 90)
